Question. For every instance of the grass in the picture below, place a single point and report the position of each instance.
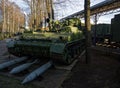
(3, 36)
(7, 82)
(0, 36)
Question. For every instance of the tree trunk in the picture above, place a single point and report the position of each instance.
(88, 29)
(4, 20)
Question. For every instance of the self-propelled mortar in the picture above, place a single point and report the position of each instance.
(60, 45)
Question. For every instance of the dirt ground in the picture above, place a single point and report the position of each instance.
(52, 78)
(103, 71)
(7, 82)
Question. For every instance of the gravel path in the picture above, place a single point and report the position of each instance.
(4, 55)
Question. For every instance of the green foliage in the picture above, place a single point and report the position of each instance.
(0, 36)
(5, 35)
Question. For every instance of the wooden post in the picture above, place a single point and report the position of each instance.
(95, 29)
(88, 29)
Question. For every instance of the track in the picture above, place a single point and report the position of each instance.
(71, 51)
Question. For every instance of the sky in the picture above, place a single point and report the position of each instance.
(71, 6)
(22, 5)
(63, 8)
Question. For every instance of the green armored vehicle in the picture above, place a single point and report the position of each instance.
(63, 44)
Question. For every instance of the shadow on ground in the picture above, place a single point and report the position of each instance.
(102, 72)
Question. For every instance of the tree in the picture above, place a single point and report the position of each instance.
(87, 28)
(40, 11)
(12, 17)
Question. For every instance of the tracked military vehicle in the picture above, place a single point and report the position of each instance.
(47, 40)
(63, 44)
